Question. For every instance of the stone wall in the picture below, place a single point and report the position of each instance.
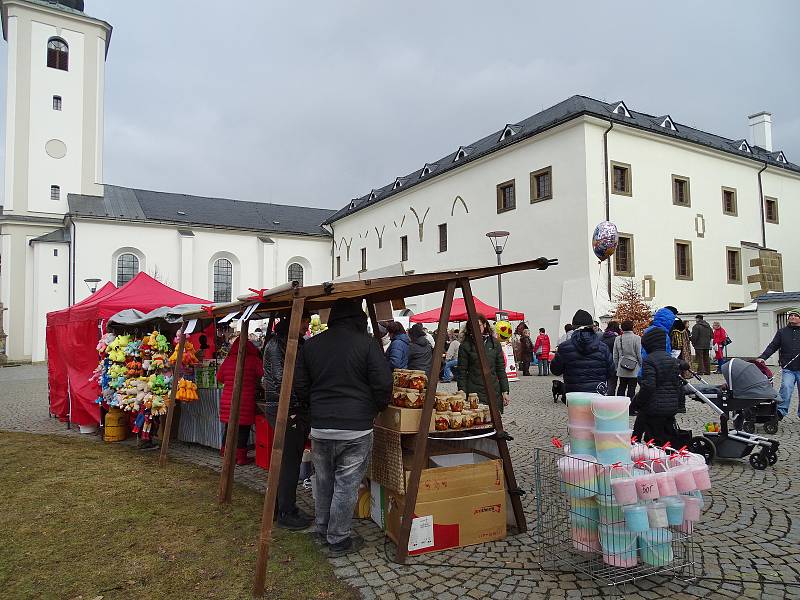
(770, 272)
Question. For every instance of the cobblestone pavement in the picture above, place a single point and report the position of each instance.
(748, 541)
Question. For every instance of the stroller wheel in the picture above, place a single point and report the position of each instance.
(771, 427)
(772, 457)
(749, 427)
(758, 461)
(704, 447)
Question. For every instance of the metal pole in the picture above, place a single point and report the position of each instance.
(499, 285)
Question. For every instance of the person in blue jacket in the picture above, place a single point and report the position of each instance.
(663, 319)
(398, 350)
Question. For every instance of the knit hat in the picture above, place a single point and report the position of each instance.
(793, 311)
(416, 331)
(582, 319)
(655, 339)
(345, 308)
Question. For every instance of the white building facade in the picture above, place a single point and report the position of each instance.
(707, 223)
(61, 229)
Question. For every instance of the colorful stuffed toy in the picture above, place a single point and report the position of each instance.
(104, 342)
(189, 358)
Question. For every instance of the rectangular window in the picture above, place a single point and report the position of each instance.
(542, 184)
(735, 305)
(506, 199)
(404, 248)
(623, 257)
(55, 193)
(338, 266)
(680, 191)
(443, 237)
(733, 257)
(55, 251)
(363, 259)
(621, 179)
(55, 278)
(729, 202)
(56, 102)
(683, 260)
(771, 210)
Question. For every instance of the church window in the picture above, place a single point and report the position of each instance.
(127, 268)
(223, 280)
(56, 102)
(55, 278)
(55, 193)
(57, 54)
(295, 273)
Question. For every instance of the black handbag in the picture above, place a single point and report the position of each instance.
(628, 363)
(728, 341)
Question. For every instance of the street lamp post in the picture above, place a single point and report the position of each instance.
(499, 240)
(91, 283)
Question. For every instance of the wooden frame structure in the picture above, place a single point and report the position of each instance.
(295, 300)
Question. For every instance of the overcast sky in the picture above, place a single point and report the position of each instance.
(313, 103)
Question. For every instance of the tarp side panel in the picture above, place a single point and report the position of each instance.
(78, 342)
(56, 375)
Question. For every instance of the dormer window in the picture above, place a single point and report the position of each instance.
(667, 123)
(745, 147)
(57, 54)
(621, 109)
(460, 155)
(352, 205)
(373, 195)
(426, 170)
(398, 183)
(781, 158)
(509, 131)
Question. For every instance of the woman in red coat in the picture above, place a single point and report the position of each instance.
(542, 350)
(718, 341)
(253, 372)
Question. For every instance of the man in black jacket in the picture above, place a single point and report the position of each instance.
(787, 343)
(297, 426)
(347, 381)
(660, 396)
(583, 359)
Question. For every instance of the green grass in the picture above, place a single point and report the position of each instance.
(82, 520)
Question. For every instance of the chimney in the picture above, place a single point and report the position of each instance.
(761, 130)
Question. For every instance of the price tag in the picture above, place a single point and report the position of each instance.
(421, 535)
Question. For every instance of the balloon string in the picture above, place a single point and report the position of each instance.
(597, 285)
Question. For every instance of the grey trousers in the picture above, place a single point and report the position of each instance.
(339, 467)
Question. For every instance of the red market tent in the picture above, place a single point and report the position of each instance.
(459, 312)
(72, 335)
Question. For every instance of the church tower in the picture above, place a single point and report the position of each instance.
(53, 147)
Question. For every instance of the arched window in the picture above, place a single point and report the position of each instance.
(223, 280)
(127, 268)
(57, 54)
(295, 273)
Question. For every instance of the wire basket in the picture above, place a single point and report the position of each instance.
(580, 527)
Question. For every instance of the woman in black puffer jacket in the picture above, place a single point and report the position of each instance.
(661, 396)
(583, 359)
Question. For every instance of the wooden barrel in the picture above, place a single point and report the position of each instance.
(116, 429)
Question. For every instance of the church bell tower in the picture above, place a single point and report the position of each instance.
(53, 147)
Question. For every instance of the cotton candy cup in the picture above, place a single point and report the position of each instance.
(624, 490)
(691, 510)
(579, 474)
(619, 546)
(610, 512)
(611, 412)
(613, 446)
(666, 484)
(646, 485)
(581, 440)
(579, 409)
(657, 514)
(684, 479)
(636, 517)
(701, 475)
(655, 546)
(674, 506)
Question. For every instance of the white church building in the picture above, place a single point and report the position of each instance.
(62, 229)
(707, 223)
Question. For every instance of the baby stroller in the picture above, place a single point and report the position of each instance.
(747, 390)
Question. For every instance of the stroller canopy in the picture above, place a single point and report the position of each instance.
(746, 381)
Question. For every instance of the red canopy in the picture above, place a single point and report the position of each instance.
(459, 312)
(72, 335)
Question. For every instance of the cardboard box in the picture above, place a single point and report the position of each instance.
(404, 420)
(378, 501)
(456, 475)
(450, 522)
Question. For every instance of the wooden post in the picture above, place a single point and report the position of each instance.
(373, 317)
(226, 477)
(276, 459)
(421, 445)
(176, 375)
(502, 445)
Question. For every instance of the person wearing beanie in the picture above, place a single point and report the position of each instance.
(583, 359)
(663, 319)
(420, 352)
(701, 337)
(345, 379)
(660, 396)
(787, 344)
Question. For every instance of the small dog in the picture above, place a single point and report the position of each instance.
(558, 391)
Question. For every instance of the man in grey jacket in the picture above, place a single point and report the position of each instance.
(627, 359)
(701, 340)
(787, 343)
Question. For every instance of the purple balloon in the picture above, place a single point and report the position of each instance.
(605, 240)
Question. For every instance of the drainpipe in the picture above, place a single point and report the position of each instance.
(608, 198)
(71, 270)
(761, 199)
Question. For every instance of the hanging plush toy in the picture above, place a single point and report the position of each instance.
(104, 342)
(504, 331)
(189, 358)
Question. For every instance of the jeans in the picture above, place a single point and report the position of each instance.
(339, 467)
(627, 387)
(544, 366)
(447, 369)
(789, 379)
(293, 446)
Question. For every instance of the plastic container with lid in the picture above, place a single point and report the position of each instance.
(691, 510)
(657, 514)
(610, 512)
(636, 518)
(613, 446)
(619, 546)
(684, 478)
(665, 481)
(579, 474)
(624, 489)
(582, 440)
(646, 485)
(611, 412)
(674, 506)
(655, 546)
(579, 409)
(702, 478)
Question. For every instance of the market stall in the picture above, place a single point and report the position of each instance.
(459, 313)
(294, 300)
(73, 334)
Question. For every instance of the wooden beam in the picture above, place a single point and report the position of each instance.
(228, 460)
(502, 445)
(420, 459)
(276, 459)
(176, 375)
(373, 318)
